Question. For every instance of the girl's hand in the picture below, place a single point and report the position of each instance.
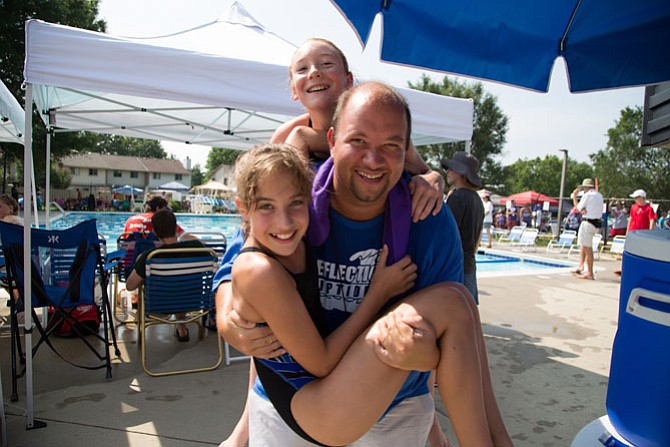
(392, 280)
(427, 194)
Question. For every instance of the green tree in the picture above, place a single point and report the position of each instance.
(543, 175)
(197, 177)
(135, 147)
(624, 166)
(489, 133)
(219, 156)
(13, 14)
(60, 177)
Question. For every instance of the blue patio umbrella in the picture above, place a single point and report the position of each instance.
(605, 43)
(128, 190)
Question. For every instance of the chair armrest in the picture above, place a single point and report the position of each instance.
(114, 258)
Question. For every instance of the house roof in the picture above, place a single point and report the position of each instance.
(124, 163)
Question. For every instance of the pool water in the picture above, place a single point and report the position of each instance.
(489, 264)
(110, 225)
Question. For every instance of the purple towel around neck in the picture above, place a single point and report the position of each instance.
(397, 217)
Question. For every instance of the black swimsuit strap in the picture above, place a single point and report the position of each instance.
(257, 250)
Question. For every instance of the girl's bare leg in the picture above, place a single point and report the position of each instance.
(364, 385)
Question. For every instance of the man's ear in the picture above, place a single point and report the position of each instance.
(331, 138)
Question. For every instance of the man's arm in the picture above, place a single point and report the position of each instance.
(245, 336)
(134, 281)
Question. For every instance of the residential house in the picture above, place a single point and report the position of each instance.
(97, 171)
(225, 174)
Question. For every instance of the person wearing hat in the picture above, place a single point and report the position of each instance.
(468, 210)
(591, 207)
(642, 214)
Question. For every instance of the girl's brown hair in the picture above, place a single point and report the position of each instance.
(259, 162)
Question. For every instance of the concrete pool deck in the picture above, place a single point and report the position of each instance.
(549, 339)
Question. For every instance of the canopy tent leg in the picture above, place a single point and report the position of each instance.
(31, 423)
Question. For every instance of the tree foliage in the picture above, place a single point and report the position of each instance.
(624, 166)
(219, 156)
(197, 177)
(490, 127)
(134, 147)
(13, 14)
(543, 175)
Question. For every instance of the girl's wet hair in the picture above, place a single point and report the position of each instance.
(256, 164)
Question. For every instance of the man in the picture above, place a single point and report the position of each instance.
(642, 215)
(368, 141)
(619, 215)
(591, 207)
(164, 225)
(488, 219)
(142, 222)
(468, 210)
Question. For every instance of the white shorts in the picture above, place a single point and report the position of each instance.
(406, 425)
(586, 232)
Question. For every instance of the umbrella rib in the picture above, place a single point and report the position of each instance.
(561, 46)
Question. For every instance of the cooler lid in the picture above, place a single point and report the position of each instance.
(649, 244)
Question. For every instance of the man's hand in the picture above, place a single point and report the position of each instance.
(243, 335)
(404, 340)
(427, 194)
(249, 339)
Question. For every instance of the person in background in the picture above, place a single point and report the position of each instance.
(501, 219)
(164, 226)
(642, 215)
(619, 215)
(9, 210)
(572, 220)
(488, 218)
(591, 207)
(512, 216)
(526, 215)
(468, 210)
(142, 222)
(15, 193)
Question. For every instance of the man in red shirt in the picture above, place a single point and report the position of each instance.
(142, 222)
(642, 215)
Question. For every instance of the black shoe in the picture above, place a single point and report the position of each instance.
(181, 337)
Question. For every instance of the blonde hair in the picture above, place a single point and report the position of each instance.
(10, 202)
(256, 164)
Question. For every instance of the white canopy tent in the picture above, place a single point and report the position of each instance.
(12, 117)
(224, 83)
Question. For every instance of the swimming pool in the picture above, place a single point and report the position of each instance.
(494, 263)
(111, 225)
(490, 264)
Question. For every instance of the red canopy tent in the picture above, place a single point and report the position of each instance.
(531, 197)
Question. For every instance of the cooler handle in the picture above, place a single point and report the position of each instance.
(655, 316)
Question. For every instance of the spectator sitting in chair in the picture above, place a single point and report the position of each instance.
(142, 222)
(164, 224)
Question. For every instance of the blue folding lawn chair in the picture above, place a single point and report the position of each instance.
(65, 267)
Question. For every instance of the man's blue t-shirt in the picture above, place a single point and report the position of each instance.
(345, 273)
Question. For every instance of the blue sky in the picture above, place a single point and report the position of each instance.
(539, 123)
